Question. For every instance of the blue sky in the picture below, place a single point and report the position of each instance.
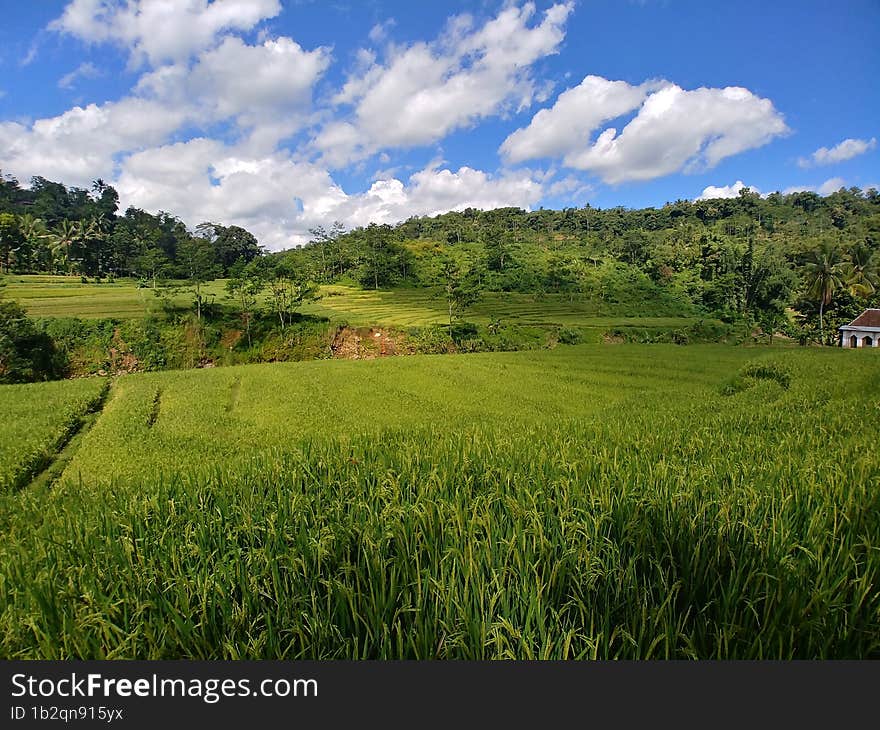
(282, 115)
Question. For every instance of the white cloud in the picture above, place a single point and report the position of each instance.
(725, 191)
(161, 30)
(425, 91)
(379, 32)
(156, 147)
(267, 87)
(279, 198)
(674, 130)
(845, 150)
(832, 185)
(82, 143)
(31, 55)
(86, 70)
(567, 125)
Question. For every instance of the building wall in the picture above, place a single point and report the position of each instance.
(863, 338)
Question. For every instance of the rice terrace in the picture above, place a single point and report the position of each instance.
(424, 341)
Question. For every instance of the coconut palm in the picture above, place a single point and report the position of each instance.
(862, 271)
(825, 274)
(94, 234)
(34, 232)
(65, 235)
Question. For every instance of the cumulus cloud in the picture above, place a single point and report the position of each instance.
(424, 91)
(279, 198)
(82, 143)
(265, 89)
(725, 191)
(674, 129)
(86, 70)
(567, 125)
(144, 143)
(157, 31)
(845, 150)
(268, 85)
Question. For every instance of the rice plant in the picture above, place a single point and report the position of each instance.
(35, 420)
(590, 502)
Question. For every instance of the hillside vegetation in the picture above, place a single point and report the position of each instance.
(587, 502)
(797, 264)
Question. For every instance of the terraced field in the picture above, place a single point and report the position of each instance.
(417, 307)
(590, 501)
(67, 296)
(59, 296)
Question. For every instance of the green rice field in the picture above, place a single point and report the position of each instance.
(36, 420)
(586, 502)
(65, 296)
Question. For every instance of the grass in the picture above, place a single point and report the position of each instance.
(36, 420)
(60, 296)
(585, 502)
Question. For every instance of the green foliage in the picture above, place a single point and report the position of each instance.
(754, 372)
(61, 229)
(462, 289)
(747, 259)
(590, 502)
(36, 420)
(26, 353)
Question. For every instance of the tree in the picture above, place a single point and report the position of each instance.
(384, 261)
(230, 243)
(65, 235)
(26, 354)
(824, 275)
(862, 271)
(461, 288)
(497, 242)
(34, 236)
(105, 200)
(153, 262)
(94, 233)
(11, 237)
(288, 287)
(196, 258)
(326, 241)
(244, 286)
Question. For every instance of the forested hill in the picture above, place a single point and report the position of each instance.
(750, 257)
(778, 260)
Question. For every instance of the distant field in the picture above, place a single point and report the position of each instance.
(591, 501)
(417, 307)
(66, 296)
(59, 296)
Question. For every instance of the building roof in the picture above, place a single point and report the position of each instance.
(868, 318)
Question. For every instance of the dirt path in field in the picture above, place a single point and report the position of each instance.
(67, 447)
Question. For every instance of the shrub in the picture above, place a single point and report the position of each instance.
(26, 353)
(569, 336)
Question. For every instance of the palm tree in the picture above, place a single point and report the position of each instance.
(66, 234)
(862, 271)
(34, 232)
(824, 275)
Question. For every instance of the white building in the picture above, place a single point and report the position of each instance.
(863, 331)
